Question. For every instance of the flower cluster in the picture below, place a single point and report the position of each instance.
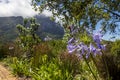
(82, 49)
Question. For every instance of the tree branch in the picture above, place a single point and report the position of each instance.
(112, 12)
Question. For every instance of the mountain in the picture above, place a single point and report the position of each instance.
(48, 27)
(9, 32)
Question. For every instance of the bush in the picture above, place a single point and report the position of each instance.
(4, 51)
(116, 48)
(71, 63)
(11, 50)
(113, 66)
(51, 49)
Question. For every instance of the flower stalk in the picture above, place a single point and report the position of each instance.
(89, 67)
(106, 67)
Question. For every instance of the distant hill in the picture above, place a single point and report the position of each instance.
(9, 32)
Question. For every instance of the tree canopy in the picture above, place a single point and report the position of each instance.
(84, 14)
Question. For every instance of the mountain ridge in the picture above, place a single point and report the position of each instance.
(9, 32)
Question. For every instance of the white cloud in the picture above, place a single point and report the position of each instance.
(18, 8)
(47, 13)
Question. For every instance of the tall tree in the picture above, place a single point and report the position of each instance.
(84, 14)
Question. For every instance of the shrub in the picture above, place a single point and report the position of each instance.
(71, 63)
(116, 48)
(57, 46)
(113, 65)
(40, 51)
(4, 50)
(51, 49)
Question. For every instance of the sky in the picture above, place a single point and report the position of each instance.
(18, 8)
(108, 36)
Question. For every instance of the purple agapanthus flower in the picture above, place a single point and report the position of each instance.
(82, 49)
(71, 48)
(97, 37)
(92, 48)
(71, 40)
(87, 55)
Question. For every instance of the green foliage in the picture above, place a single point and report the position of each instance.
(50, 70)
(87, 12)
(116, 48)
(85, 38)
(27, 35)
(86, 74)
(57, 46)
(20, 67)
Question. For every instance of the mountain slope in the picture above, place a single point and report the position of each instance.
(8, 30)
